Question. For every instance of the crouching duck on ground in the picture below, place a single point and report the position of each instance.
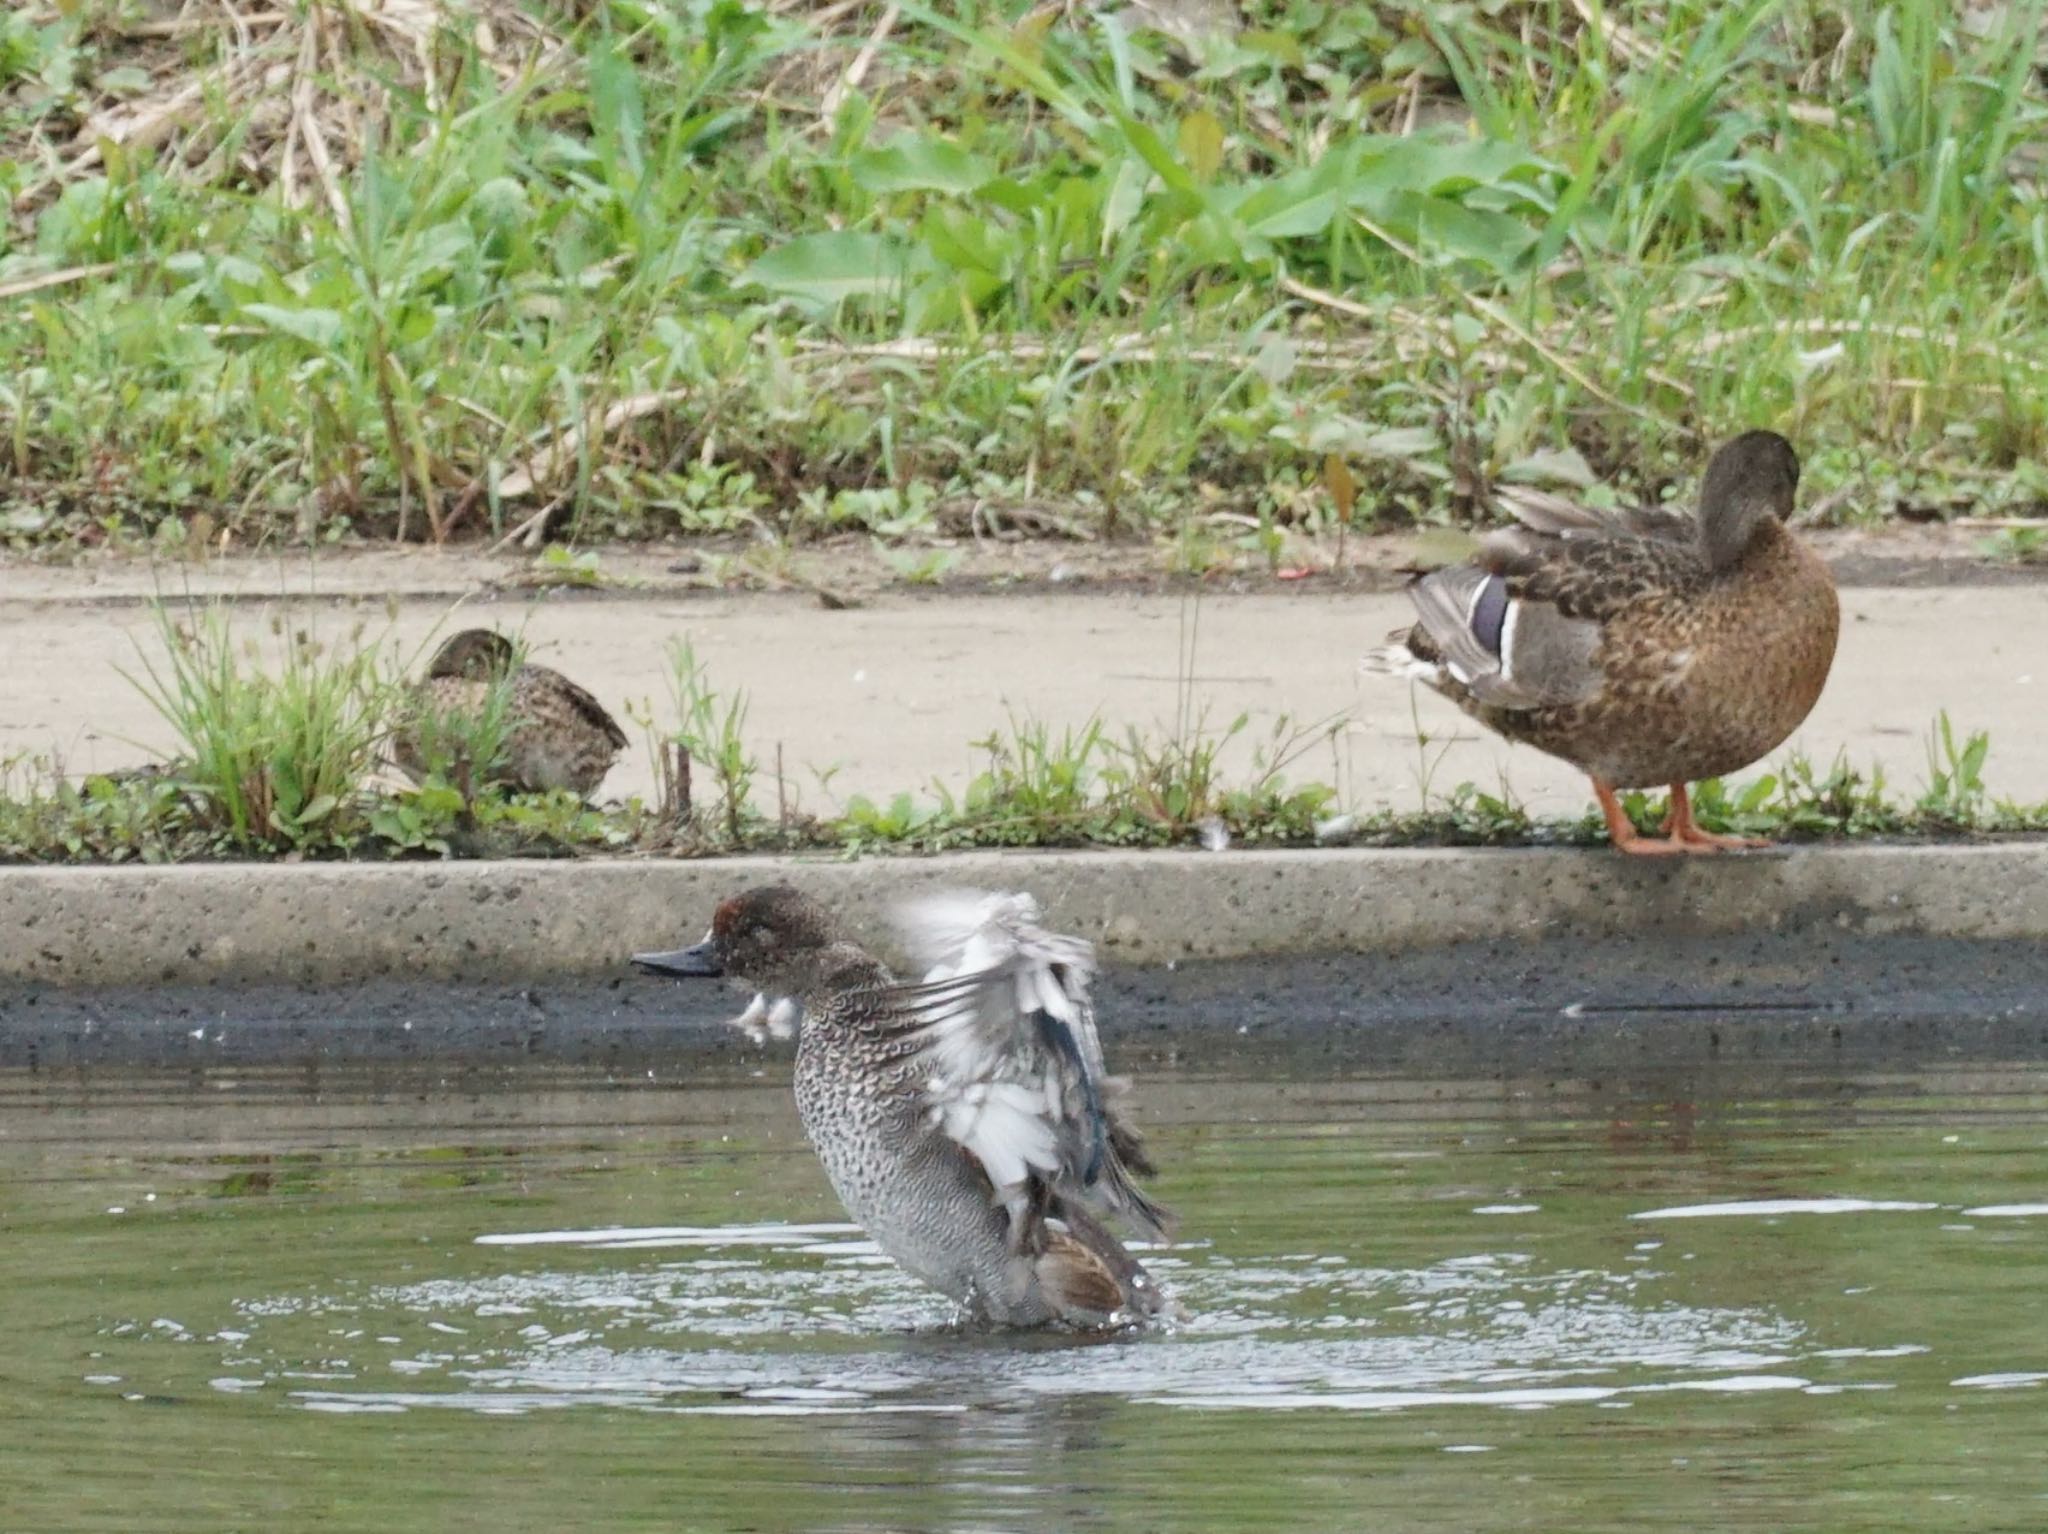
(964, 1119)
(1648, 647)
(552, 733)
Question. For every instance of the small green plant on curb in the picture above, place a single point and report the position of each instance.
(1086, 787)
(705, 739)
(277, 756)
(143, 817)
(2018, 545)
(1955, 793)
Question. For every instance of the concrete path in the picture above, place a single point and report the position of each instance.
(888, 696)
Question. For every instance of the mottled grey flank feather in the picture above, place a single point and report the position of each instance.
(1553, 659)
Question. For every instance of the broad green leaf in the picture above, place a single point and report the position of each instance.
(1276, 359)
(826, 268)
(1012, 196)
(319, 809)
(1282, 47)
(1151, 148)
(920, 163)
(1292, 206)
(1407, 442)
(316, 327)
(1550, 466)
(941, 302)
(1386, 164)
(615, 107)
(1125, 197)
(964, 242)
(1201, 144)
(1498, 240)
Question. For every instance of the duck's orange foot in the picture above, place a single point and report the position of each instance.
(1684, 828)
(1696, 840)
(1684, 834)
(1636, 845)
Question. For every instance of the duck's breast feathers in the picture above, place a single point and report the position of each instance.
(1004, 1027)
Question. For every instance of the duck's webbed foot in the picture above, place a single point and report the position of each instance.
(1683, 834)
(1684, 830)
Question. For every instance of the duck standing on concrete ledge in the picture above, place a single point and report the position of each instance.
(964, 1120)
(556, 735)
(1645, 648)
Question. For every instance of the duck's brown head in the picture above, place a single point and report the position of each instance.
(775, 938)
(1750, 481)
(480, 655)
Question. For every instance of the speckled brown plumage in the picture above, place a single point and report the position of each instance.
(556, 734)
(1659, 651)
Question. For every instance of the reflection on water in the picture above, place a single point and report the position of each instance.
(1783, 1305)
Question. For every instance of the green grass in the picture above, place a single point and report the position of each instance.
(274, 752)
(685, 268)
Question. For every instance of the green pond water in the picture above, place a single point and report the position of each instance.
(549, 1300)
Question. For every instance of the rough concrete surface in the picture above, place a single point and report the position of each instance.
(339, 923)
(1709, 1008)
(887, 697)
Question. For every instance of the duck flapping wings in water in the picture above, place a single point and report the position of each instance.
(964, 1118)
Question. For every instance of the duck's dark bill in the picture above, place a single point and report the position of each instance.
(697, 960)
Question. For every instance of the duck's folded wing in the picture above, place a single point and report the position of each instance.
(1506, 650)
(1520, 626)
(1542, 512)
(1004, 1027)
(586, 707)
(1594, 579)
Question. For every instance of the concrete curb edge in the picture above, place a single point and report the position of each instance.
(335, 924)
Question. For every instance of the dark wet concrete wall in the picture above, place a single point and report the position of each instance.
(1580, 1004)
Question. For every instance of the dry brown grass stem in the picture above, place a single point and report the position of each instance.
(304, 87)
(543, 466)
(1723, 339)
(1620, 38)
(70, 274)
(1133, 349)
(1514, 327)
(863, 61)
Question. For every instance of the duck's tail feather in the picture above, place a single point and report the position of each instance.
(1409, 655)
(1091, 1278)
(1080, 1285)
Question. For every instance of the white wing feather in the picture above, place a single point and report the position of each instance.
(1016, 1074)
